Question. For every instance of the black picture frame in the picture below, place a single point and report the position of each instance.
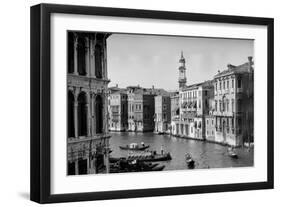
(41, 98)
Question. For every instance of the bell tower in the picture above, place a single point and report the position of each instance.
(182, 69)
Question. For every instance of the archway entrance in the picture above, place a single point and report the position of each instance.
(82, 167)
(70, 114)
(82, 115)
(71, 168)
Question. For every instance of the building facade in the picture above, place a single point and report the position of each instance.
(162, 116)
(194, 105)
(141, 107)
(234, 93)
(87, 127)
(210, 127)
(118, 110)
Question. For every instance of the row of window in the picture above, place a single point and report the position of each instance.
(224, 84)
(210, 133)
(81, 56)
(158, 116)
(210, 122)
(224, 105)
(192, 94)
(133, 107)
(117, 96)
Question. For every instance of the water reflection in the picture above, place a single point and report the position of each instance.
(206, 155)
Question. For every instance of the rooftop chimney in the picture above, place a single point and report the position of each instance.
(250, 59)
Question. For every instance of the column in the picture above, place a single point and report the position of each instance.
(106, 159)
(76, 117)
(87, 54)
(93, 113)
(88, 165)
(75, 54)
(92, 57)
(105, 59)
(76, 168)
(105, 120)
(88, 108)
(94, 167)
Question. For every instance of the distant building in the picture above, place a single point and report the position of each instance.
(234, 99)
(210, 127)
(118, 110)
(175, 106)
(87, 127)
(194, 105)
(162, 116)
(141, 107)
(131, 91)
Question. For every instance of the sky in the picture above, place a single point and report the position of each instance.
(148, 60)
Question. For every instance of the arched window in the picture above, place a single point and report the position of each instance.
(98, 61)
(99, 115)
(70, 115)
(70, 50)
(81, 56)
(82, 115)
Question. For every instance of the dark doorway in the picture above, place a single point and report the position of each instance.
(82, 167)
(70, 115)
(71, 168)
(98, 61)
(100, 166)
(99, 114)
(82, 115)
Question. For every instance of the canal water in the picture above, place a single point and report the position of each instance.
(206, 155)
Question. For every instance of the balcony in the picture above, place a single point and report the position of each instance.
(73, 140)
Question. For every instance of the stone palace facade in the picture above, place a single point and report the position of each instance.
(87, 92)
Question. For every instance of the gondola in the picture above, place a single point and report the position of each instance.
(135, 146)
(232, 153)
(189, 161)
(150, 156)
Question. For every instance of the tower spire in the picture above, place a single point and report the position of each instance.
(182, 69)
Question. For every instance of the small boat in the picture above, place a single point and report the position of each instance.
(135, 146)
(232, 153)
(189, 160)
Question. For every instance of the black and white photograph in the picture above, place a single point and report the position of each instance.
(145, 103)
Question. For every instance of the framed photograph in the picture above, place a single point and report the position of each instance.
(132, 103)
